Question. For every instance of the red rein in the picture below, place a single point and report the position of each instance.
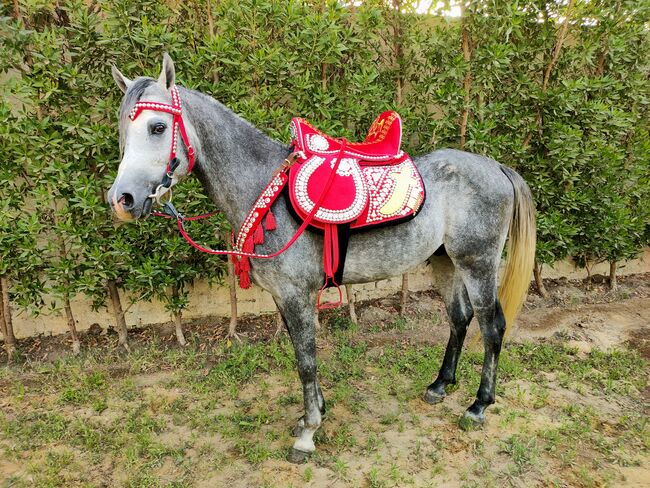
(251, 232)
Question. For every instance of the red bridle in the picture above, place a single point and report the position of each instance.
(177, 112)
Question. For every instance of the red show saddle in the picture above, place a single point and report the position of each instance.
(375, 183)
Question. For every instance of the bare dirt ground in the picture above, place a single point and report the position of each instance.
(572, 407)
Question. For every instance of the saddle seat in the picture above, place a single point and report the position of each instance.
(382, 143)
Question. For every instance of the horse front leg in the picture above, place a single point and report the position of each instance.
(298, 312)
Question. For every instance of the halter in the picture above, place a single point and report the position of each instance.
(177, 112)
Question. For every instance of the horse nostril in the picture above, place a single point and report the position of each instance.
(126, 200)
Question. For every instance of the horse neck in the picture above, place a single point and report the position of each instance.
(235, 161)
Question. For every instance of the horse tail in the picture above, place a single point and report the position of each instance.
(521, 249)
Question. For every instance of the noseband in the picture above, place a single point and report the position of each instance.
(177, 126)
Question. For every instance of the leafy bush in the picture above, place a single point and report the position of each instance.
(566, 105)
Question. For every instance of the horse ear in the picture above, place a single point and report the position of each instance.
(168, 74)
(122, 81)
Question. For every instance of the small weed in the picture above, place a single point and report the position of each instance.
(344, 438)
(399, 324)
(374, 479)
(255, 452)
(523, 451)
(340, 469)
(389, 418)
(73, 396)
(340, 320)
(373, 441)
(99, 405)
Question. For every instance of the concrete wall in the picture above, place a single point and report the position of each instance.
(211, 301)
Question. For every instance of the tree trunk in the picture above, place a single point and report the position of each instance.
(118, 313)
(600, 67)
(539, 283)
(398, 50)
(16, 11)
(3, 330)
(215, 75)
(279, 324)
(404, 294)
(8, 328)
(613, 282)
(63, 254)
(557, 48)
(467, 79)
(178, 323)
(559, 42)
(351, 303)
(76, 344)
(232, 286)
(178, 320)
(589, 278)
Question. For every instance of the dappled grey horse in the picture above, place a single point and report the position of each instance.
(473, 204)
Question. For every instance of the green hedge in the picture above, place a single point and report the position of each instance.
(565, 107)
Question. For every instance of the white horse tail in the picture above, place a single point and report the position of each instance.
(521, 250)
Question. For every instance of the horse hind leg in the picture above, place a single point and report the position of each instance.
(480, 279)
(460, 313)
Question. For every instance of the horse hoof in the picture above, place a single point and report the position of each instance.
(296, 456)
(470, 421)
(431, 397)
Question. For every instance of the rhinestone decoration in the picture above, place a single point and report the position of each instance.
(317, 143)
(381, 187)
(329, 215)
(255, 216)
(346, 166)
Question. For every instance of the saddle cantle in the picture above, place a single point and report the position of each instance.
(375, 183)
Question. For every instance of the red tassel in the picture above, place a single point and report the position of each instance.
(237, 265)
(249, 246)
(258, 236)
(244, 280)
(244, 265)
(269, 223)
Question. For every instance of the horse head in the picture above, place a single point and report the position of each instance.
(154, 157)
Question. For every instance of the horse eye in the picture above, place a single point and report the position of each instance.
(158, 128)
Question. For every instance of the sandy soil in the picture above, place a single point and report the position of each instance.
(546, 429)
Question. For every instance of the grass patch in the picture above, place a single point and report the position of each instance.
(234, 406)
